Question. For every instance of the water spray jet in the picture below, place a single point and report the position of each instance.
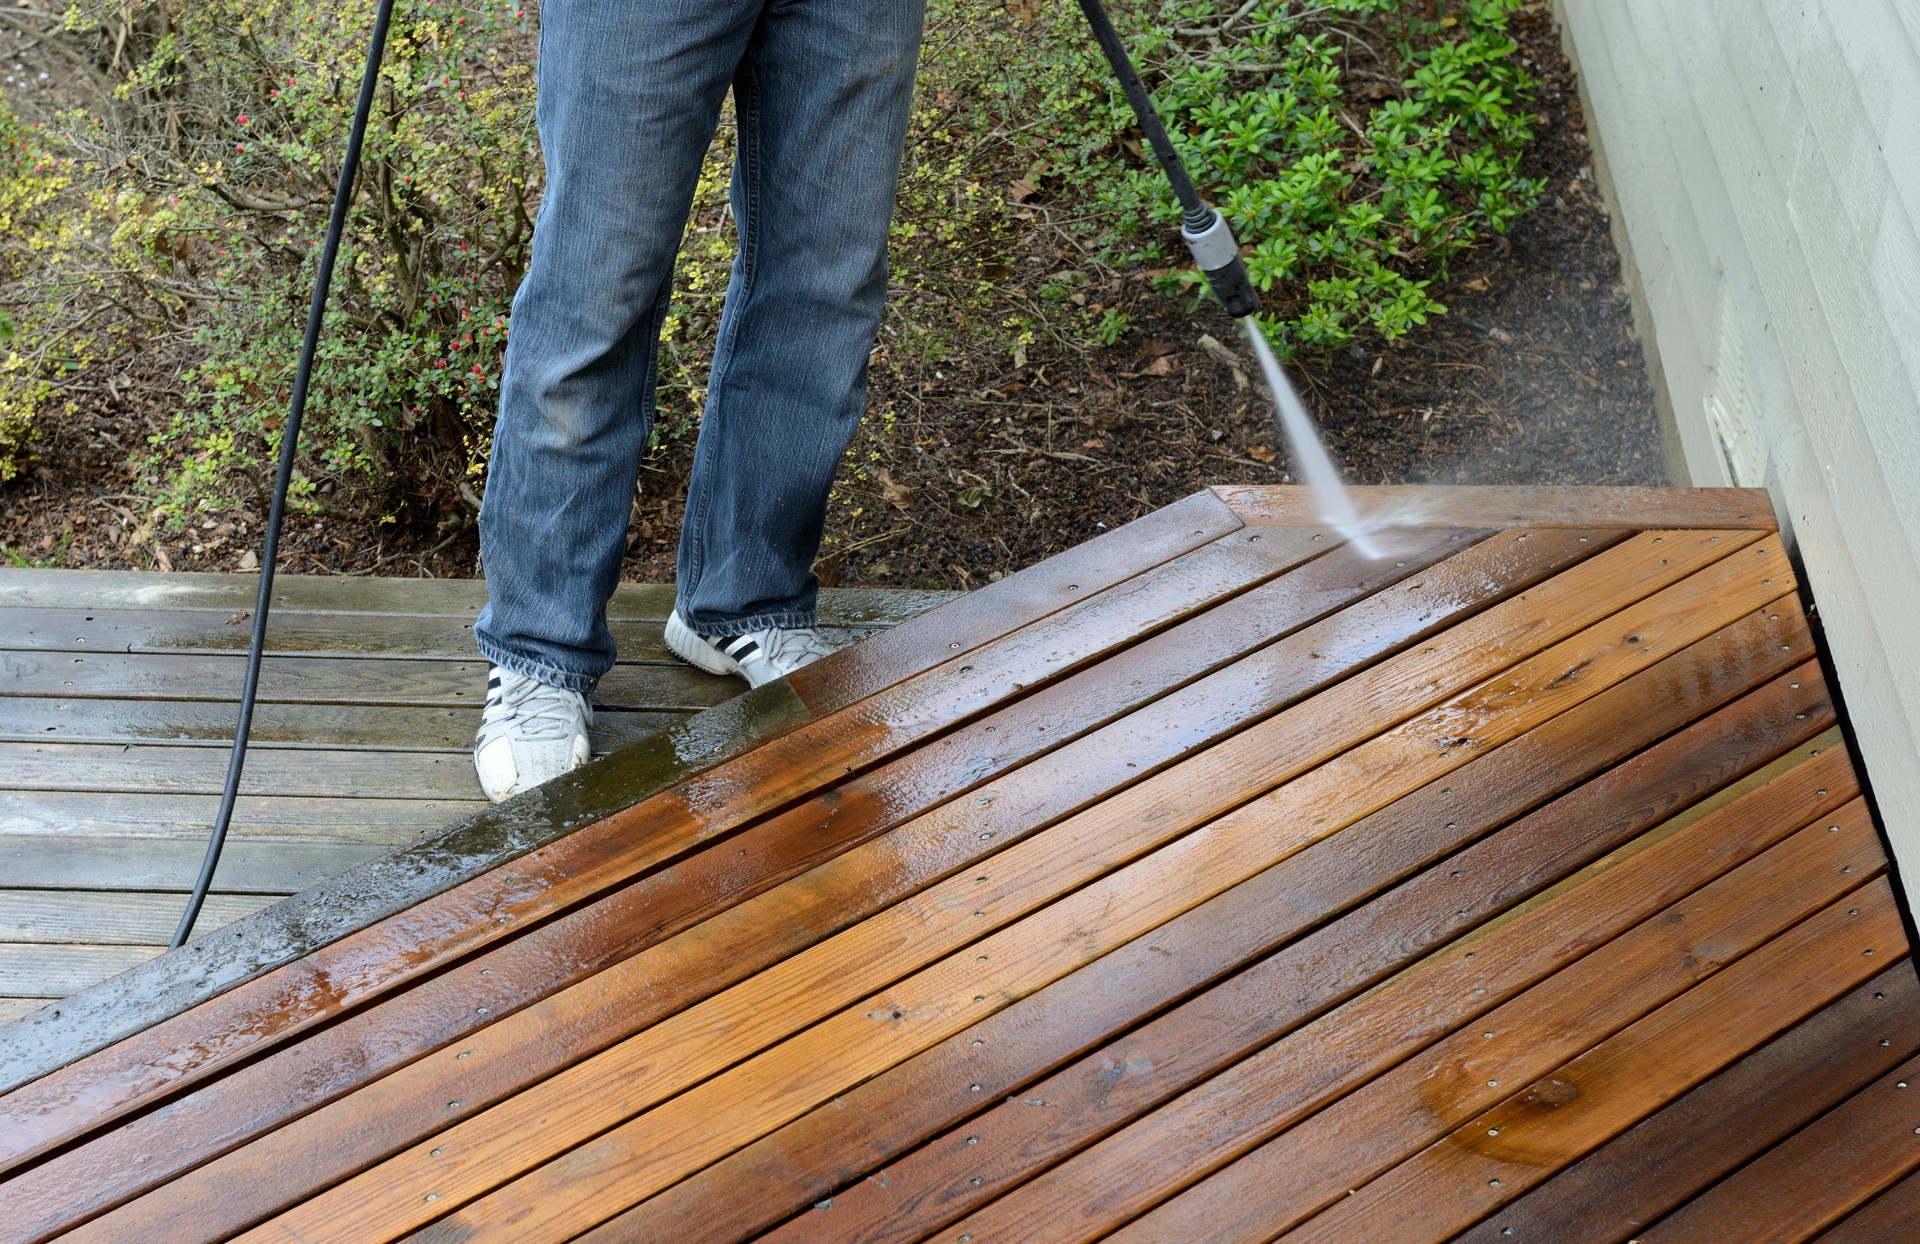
(1217, 253)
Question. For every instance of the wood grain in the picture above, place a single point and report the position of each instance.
(357, 636)
(106, 918)
(251, 865)
(384, 728)
(1716, 1128)
(19, 1008)
(66, 814)
(1289, 1080)
(92, 591)
(398, 681)
(1820, 1174)
(799, 1165)
(1891, 1218)
(287, 772)
(54, 970)
(1597, 1095)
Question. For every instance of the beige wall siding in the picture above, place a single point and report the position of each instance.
(1763, 162)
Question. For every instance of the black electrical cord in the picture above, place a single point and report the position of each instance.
(289, 438)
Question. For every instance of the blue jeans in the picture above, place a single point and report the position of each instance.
(629, 98)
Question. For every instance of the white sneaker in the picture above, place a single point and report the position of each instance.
(529, 732)
(757, 656)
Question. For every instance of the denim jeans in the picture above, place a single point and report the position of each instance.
(630, 93)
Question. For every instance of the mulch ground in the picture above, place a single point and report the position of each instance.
(1535, 376)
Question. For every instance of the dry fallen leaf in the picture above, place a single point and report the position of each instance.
(1261, 453)
(897, 495)
(1164, 365)
(1478, 285)
(1020, 189)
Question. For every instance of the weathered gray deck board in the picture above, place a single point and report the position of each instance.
(210, 722)
(106, 917)
(117, 700)
(642, 602)
(293, 632)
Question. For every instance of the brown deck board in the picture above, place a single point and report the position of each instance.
(1631, 1182)
(1168, 891)
(1441, 899)
(1815, 1177)
(1537, 971)
(1344, 786)
(1891, 1218)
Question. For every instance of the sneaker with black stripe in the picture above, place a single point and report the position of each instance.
(530, 733)
(757, 656)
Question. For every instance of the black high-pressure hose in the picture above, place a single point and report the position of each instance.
(1201, 228)
(289, 437)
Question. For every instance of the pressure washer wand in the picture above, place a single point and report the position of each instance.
(1204, 230)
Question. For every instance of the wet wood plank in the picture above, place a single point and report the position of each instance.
(1302, 1074)
(1596, 1095)
(1223, 844)
(1891, 1218)
(1670, 1157)
(1816, 1177)
(1012, 1141)
(1409, 836)
(632, 1161)
(1415, 505)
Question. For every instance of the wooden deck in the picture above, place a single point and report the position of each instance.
(1207, 882)
(117, 701)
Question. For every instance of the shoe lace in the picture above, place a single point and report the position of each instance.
(536, 710)
(788, 649)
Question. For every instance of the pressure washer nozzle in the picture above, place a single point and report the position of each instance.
(1217, 251)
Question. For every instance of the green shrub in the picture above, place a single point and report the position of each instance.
(404, 387)
(34, 182)
(1356, 145)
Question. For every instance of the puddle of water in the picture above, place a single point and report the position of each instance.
(1303, 439)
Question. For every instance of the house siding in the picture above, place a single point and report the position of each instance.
(1762, 162)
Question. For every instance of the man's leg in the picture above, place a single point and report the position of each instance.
(629, 96)
(823, 97)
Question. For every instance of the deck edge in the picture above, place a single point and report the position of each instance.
(1409, 505)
